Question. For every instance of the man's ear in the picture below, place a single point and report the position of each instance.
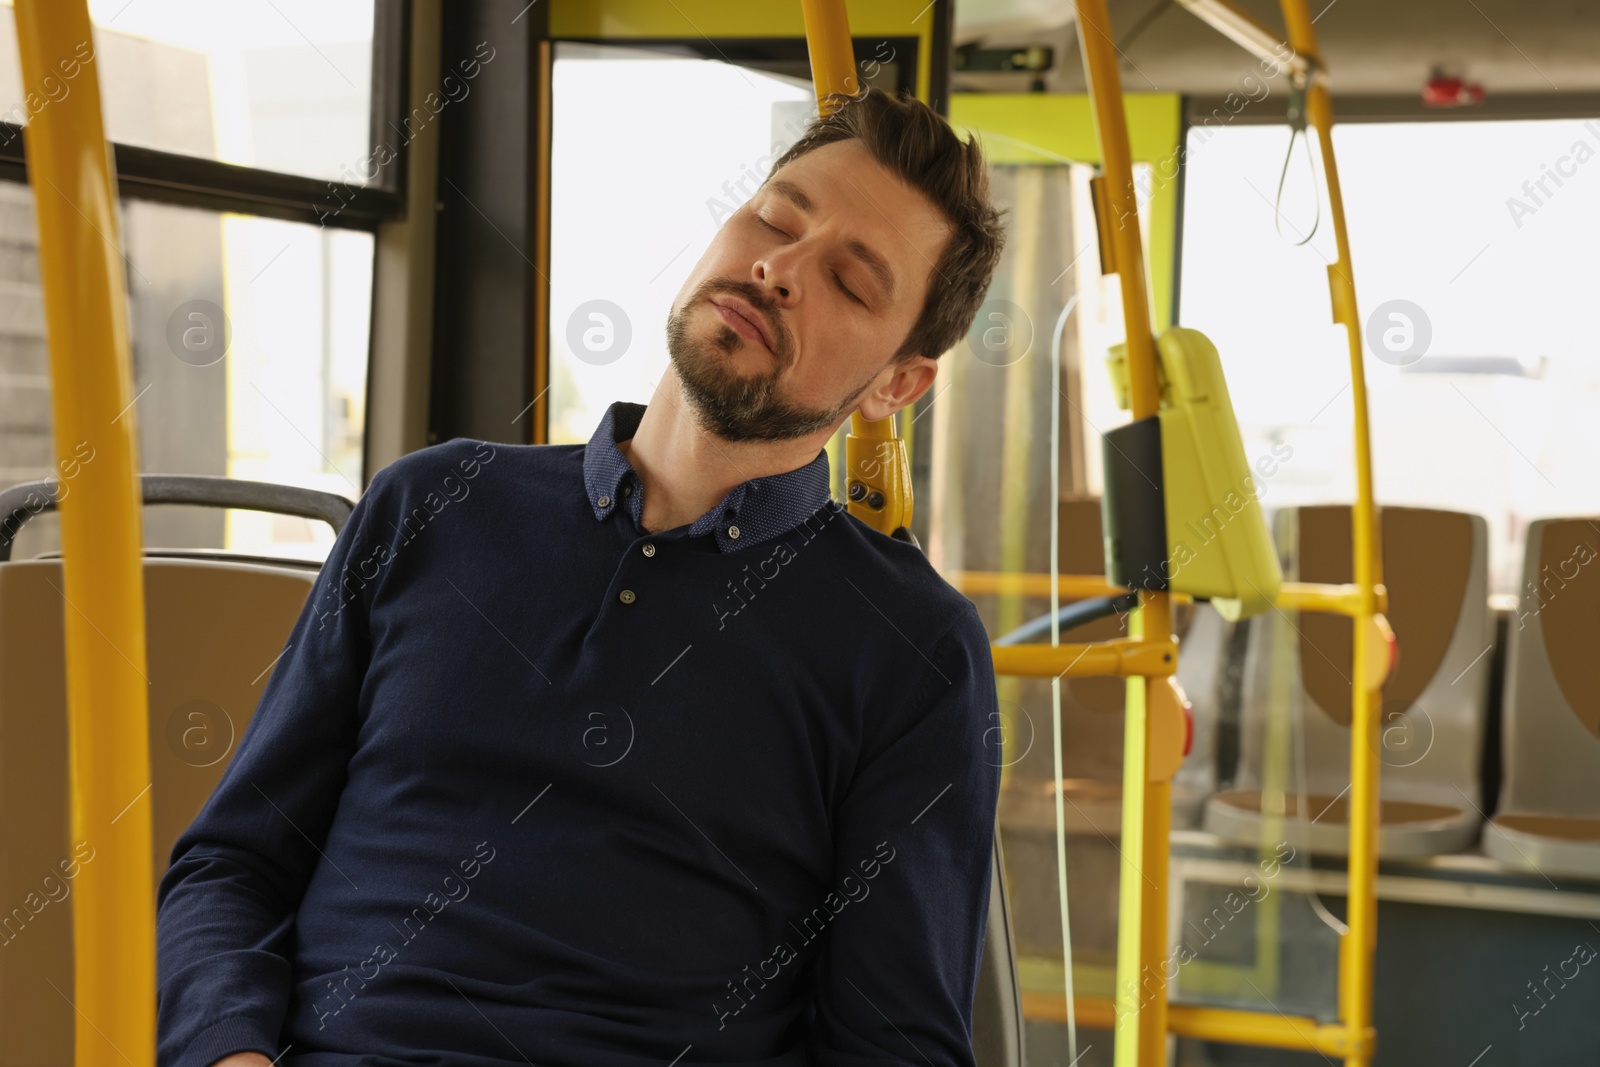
(907, 381)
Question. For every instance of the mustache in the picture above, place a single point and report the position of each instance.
(782, 340)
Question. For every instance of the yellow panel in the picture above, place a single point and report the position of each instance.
(1059, 128)
(1209, 486)
(723, 19)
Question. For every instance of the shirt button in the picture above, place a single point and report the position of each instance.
(627, 490)
(626, 596)
(604, 502)
(733, 532)
(649, 550)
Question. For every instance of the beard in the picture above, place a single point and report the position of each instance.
(735, 406)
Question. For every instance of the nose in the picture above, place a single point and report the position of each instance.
(778, 275)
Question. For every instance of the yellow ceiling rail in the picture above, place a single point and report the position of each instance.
(877, 468)
(85, 304)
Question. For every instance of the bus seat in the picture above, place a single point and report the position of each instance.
(214, 629)
(1549, 814)
(1434, 708)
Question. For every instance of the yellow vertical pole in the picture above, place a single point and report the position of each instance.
(833, 56)
(875, 455)
(85, 303)
(1358, 944)
(1146, 805)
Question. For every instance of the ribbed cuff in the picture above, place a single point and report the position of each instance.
(237, 1034)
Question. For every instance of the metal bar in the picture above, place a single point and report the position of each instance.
(1565, 902)
(874, 453)
(833, 58)
(86, 318)
(204, 490)
(1146, 812)
(1300, 596)
(1226, 1025)
(1346, 599)
(1003, 583)
(1124, 657)
(1242, 29)
(189, 181)
(1357, 946)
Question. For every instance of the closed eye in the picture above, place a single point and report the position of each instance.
(838, 281)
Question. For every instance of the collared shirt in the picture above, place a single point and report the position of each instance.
(753, 512)
(531, 784)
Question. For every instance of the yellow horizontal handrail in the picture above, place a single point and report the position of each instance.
(1125, 657)
(1343, 599)
(1226, 1025)
(1012, 583)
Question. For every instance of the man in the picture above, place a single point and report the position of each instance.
(644, 751)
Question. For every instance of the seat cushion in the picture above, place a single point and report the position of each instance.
(1407, 829)
(1551, 845)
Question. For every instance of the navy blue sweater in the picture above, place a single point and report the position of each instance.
(530, 784)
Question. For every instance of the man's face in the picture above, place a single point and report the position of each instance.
(793, 315)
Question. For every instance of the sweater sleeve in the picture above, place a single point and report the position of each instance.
(897, 974)
(227, 903)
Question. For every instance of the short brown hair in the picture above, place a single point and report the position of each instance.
(919, 147)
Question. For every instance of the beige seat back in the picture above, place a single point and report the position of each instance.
(1549, 817)
(1434, 708)
(1552, 695)
(214, 629)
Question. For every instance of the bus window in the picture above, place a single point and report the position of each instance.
(285, 86)
(1472, 277)
(250, 351)
(626, 228)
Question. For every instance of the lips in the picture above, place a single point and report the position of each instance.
(744, 318)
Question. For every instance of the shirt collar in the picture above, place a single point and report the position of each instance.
(752, 512)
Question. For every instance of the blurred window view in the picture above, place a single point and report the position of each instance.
(283, 86)
(249, 358)
(249, 335)
(620, 246)
(1471, 276)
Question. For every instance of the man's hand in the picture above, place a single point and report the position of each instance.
(243, 1059)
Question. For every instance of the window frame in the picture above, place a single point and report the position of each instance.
(192, 181)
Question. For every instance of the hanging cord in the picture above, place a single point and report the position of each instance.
(1302, 815)
(1055, 683)
(1330, 920)
(1297, 128)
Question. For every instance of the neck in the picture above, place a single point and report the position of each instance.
(687, 470)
